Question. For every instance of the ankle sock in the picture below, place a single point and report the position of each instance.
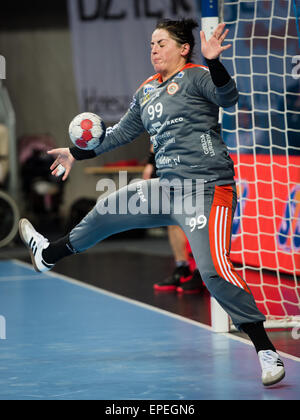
(182, 264)
(258, 336)
(58, 250)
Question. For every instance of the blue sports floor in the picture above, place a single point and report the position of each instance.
(66, 340)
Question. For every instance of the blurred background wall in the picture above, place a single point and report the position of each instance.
(36, 43)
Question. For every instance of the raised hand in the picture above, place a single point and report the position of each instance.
(62, 157)
(213, 47)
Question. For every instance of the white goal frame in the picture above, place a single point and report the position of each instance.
(220, 320)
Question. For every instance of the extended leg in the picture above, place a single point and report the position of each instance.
(132, 207)
(210, 243)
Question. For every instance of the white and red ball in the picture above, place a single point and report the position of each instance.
(87, 131)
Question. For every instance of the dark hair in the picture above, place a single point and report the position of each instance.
(181, 31)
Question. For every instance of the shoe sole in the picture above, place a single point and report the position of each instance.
(21, 222)
(276, 379)
(165, 288)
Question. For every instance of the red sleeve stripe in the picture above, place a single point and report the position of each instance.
(150, 79)
(191, 66)
(158, 76)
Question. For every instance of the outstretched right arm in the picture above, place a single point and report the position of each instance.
(128, 129)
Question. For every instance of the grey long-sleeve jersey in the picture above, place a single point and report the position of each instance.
(181, 116)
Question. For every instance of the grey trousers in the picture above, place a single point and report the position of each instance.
(204, 212)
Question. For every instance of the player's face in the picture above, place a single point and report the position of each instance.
(166, 54)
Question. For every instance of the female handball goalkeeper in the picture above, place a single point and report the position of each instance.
(179, 108)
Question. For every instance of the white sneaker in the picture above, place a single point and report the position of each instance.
(272, 367)
(36, 243)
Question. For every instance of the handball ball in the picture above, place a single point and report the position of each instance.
(87, 131)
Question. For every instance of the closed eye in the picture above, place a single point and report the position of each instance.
(161, 43)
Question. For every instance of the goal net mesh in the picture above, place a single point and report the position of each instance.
(262, 133)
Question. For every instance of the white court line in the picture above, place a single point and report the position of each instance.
(149, 307)
(19, 278)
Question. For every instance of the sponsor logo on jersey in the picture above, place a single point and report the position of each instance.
(147, 89)
(133, 102)
(150, 96)
(180, 75)
(158, 126)
(145, 99)
(207, 145)
(172, 88)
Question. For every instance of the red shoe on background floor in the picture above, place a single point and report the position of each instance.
(170, 284)
(191, 286)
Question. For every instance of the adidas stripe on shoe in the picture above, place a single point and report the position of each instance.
(272, 367)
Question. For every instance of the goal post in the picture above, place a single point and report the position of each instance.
(210, 18)
(262, 133)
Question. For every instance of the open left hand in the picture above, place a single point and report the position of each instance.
(63, 157)
(213, 47)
